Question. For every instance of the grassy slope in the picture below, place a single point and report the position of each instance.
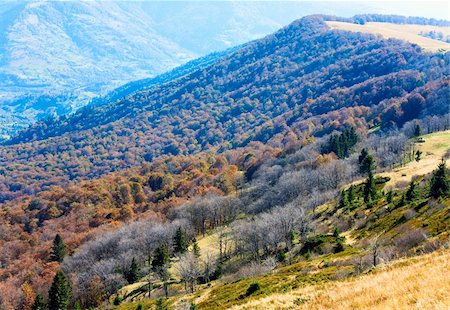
(420, 282)
(410, 33)
(433, 148)
(313, 282)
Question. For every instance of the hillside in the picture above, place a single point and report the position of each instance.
(410, 33)
(304, 80)
(309, 156)
(316, 274)
(55, 56)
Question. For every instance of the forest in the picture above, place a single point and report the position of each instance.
(249, 145)
(303, 81)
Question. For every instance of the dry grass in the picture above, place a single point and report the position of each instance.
(416, 283)
(433, 149)
(408, 32)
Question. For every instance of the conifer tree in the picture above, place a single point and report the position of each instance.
(39, 303)
(134, 272)
(417, 130)
(351, 194)
(362, 156)
(370, 191)
(418, 155)
(195, 248)
(440, 183)
(161, 257)
(180, 241)
(411, 193)
(59, 293)
(367, 165)
(58, 250)
(343, 201)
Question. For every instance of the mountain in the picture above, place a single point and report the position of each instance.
(55, 56)
(257, 146)
(304, 80)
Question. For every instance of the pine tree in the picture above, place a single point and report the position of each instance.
(417, 130)
(411, 193)
(39, 303)
(390, 196)
(370, 191)
(440, 183)
(418, 155)
(59, 293)
(161, 257)
(351, 194)
(362, 156)
(195, 248)
(58, 250)
(343, 201)
(180, 241)
(367, 164)
(134, 272)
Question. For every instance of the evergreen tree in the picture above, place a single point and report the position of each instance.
(351, 194)
(390, 196)
(418, 155)
(59, 293)
(367, 165)
(161, 257)
(58, 250)
(39, 303)
(343, 201)
(160, 304)
(417, 130)
(370, 191)
(362, 156)
(440, 183)
(342, 144)
(411, 193)
(134, 272)
(180, 241)
(195, 248)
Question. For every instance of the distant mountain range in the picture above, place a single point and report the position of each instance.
(55, 56)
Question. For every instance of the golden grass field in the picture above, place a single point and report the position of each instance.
(408, 32)
(433, 149)
(415, 283)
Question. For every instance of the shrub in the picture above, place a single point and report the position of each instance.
(254, 287)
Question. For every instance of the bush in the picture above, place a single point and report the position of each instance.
(254, 287)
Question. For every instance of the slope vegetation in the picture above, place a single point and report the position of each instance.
(304, 80)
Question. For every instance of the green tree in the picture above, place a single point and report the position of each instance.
(343, 200)
(390, 196)
(367, 165)
(411, 193)
(161, 264)
(59, 293)
(161, 257)
(417, 130)
(440, 183)
(180, 241)
(160, 304)
(195, 248)
(370, 191)
(58, 250)
(418, 155)
(39, 303)
(134, 272)
(351, 194)
(362, 156)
